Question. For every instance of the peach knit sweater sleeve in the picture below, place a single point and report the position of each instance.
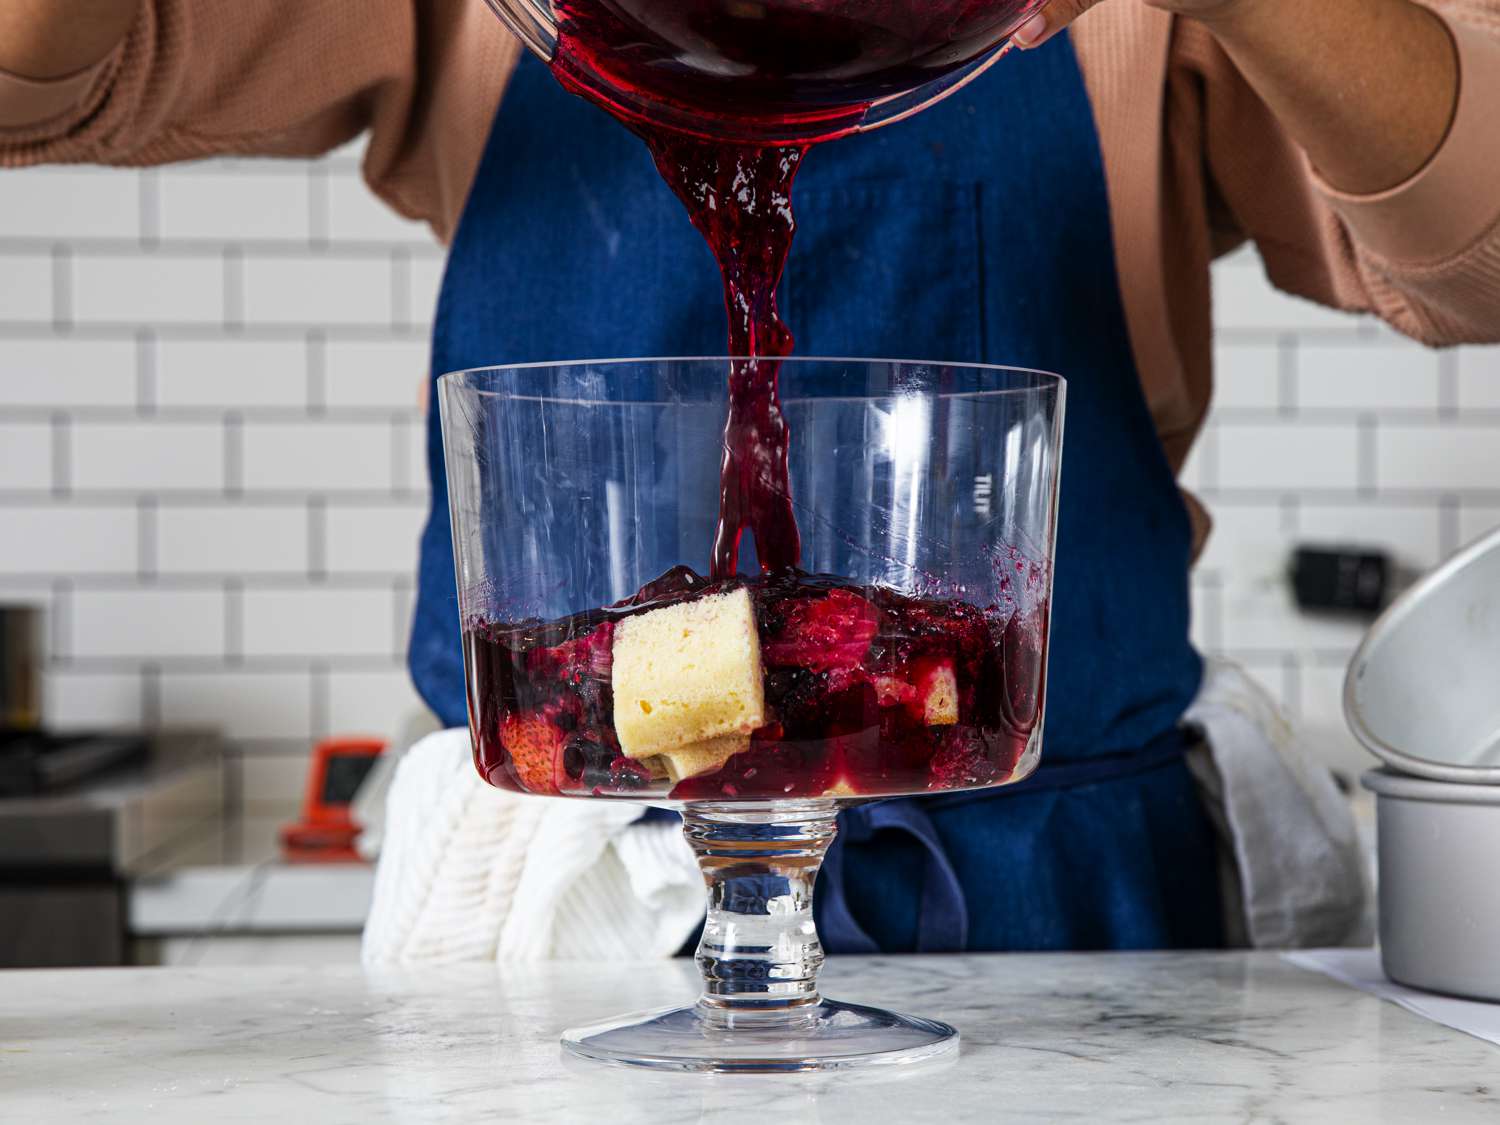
(194, 78)
(1424, 255)
(1195, 162)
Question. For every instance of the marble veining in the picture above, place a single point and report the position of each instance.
(1093, 1037)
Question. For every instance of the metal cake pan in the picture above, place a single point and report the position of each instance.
(1423, 690)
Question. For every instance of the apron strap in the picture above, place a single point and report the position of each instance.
(943, 924)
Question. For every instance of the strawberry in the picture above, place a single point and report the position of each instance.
(827, 634)
(534, 745)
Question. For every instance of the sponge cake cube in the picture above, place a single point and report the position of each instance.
(686, 674)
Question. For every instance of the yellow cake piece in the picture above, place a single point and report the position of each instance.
(940, 705)
(686, 678)
(698, 758)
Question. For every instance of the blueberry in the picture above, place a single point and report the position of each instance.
(588, 760)
(625, 774)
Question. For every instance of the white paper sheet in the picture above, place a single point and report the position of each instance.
(1360, 968)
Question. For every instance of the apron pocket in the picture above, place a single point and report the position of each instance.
(889, 270)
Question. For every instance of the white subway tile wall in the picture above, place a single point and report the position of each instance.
(152, 286)
(26, 286)
(210, 466)
(1329, 430)
(212, 463)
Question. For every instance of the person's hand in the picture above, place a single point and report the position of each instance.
(1058, 14)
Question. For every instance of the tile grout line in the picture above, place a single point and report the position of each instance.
(151, 708)
(400, 291)
(317, 206)
(61, 609)
(1448, 526)
(1448, 386)
(234, 290)
(400, 457)
(148, 187)
(317, 538)
(146, 390)
(283, 663)
(402, 591)
(234, 622)
(146, 533)
(1288, 377)
(234, 455)
(130, 247)
(1475, 419)
(1209, 461)
(62, 455)
(62, 288)
(316, 358)
(320, 702)
(1368, 454)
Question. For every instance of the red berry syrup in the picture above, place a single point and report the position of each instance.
(869, 692)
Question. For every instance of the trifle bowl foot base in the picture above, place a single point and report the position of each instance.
(825, 1036)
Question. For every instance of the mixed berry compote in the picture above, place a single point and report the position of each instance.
(867, 693)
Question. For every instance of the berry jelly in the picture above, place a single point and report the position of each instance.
(869, 693)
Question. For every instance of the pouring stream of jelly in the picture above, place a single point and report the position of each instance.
(753, 68)
(739, 197)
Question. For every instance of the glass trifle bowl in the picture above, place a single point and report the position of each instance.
(905, 655)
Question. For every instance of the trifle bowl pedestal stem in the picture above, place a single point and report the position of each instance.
(760, 1010)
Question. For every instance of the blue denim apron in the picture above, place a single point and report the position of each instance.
(978, 231)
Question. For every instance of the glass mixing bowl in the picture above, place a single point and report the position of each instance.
(766, 71)
(907, 655)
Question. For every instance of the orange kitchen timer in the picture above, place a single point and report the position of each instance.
(326, 832)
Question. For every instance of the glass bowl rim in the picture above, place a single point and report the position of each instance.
(1045, 380)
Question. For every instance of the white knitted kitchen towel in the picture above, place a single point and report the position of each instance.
(468, 872)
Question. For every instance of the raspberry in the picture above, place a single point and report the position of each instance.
(583, 658)
(962, 764)
(826, 634)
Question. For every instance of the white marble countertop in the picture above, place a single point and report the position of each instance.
(1127, 1037)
